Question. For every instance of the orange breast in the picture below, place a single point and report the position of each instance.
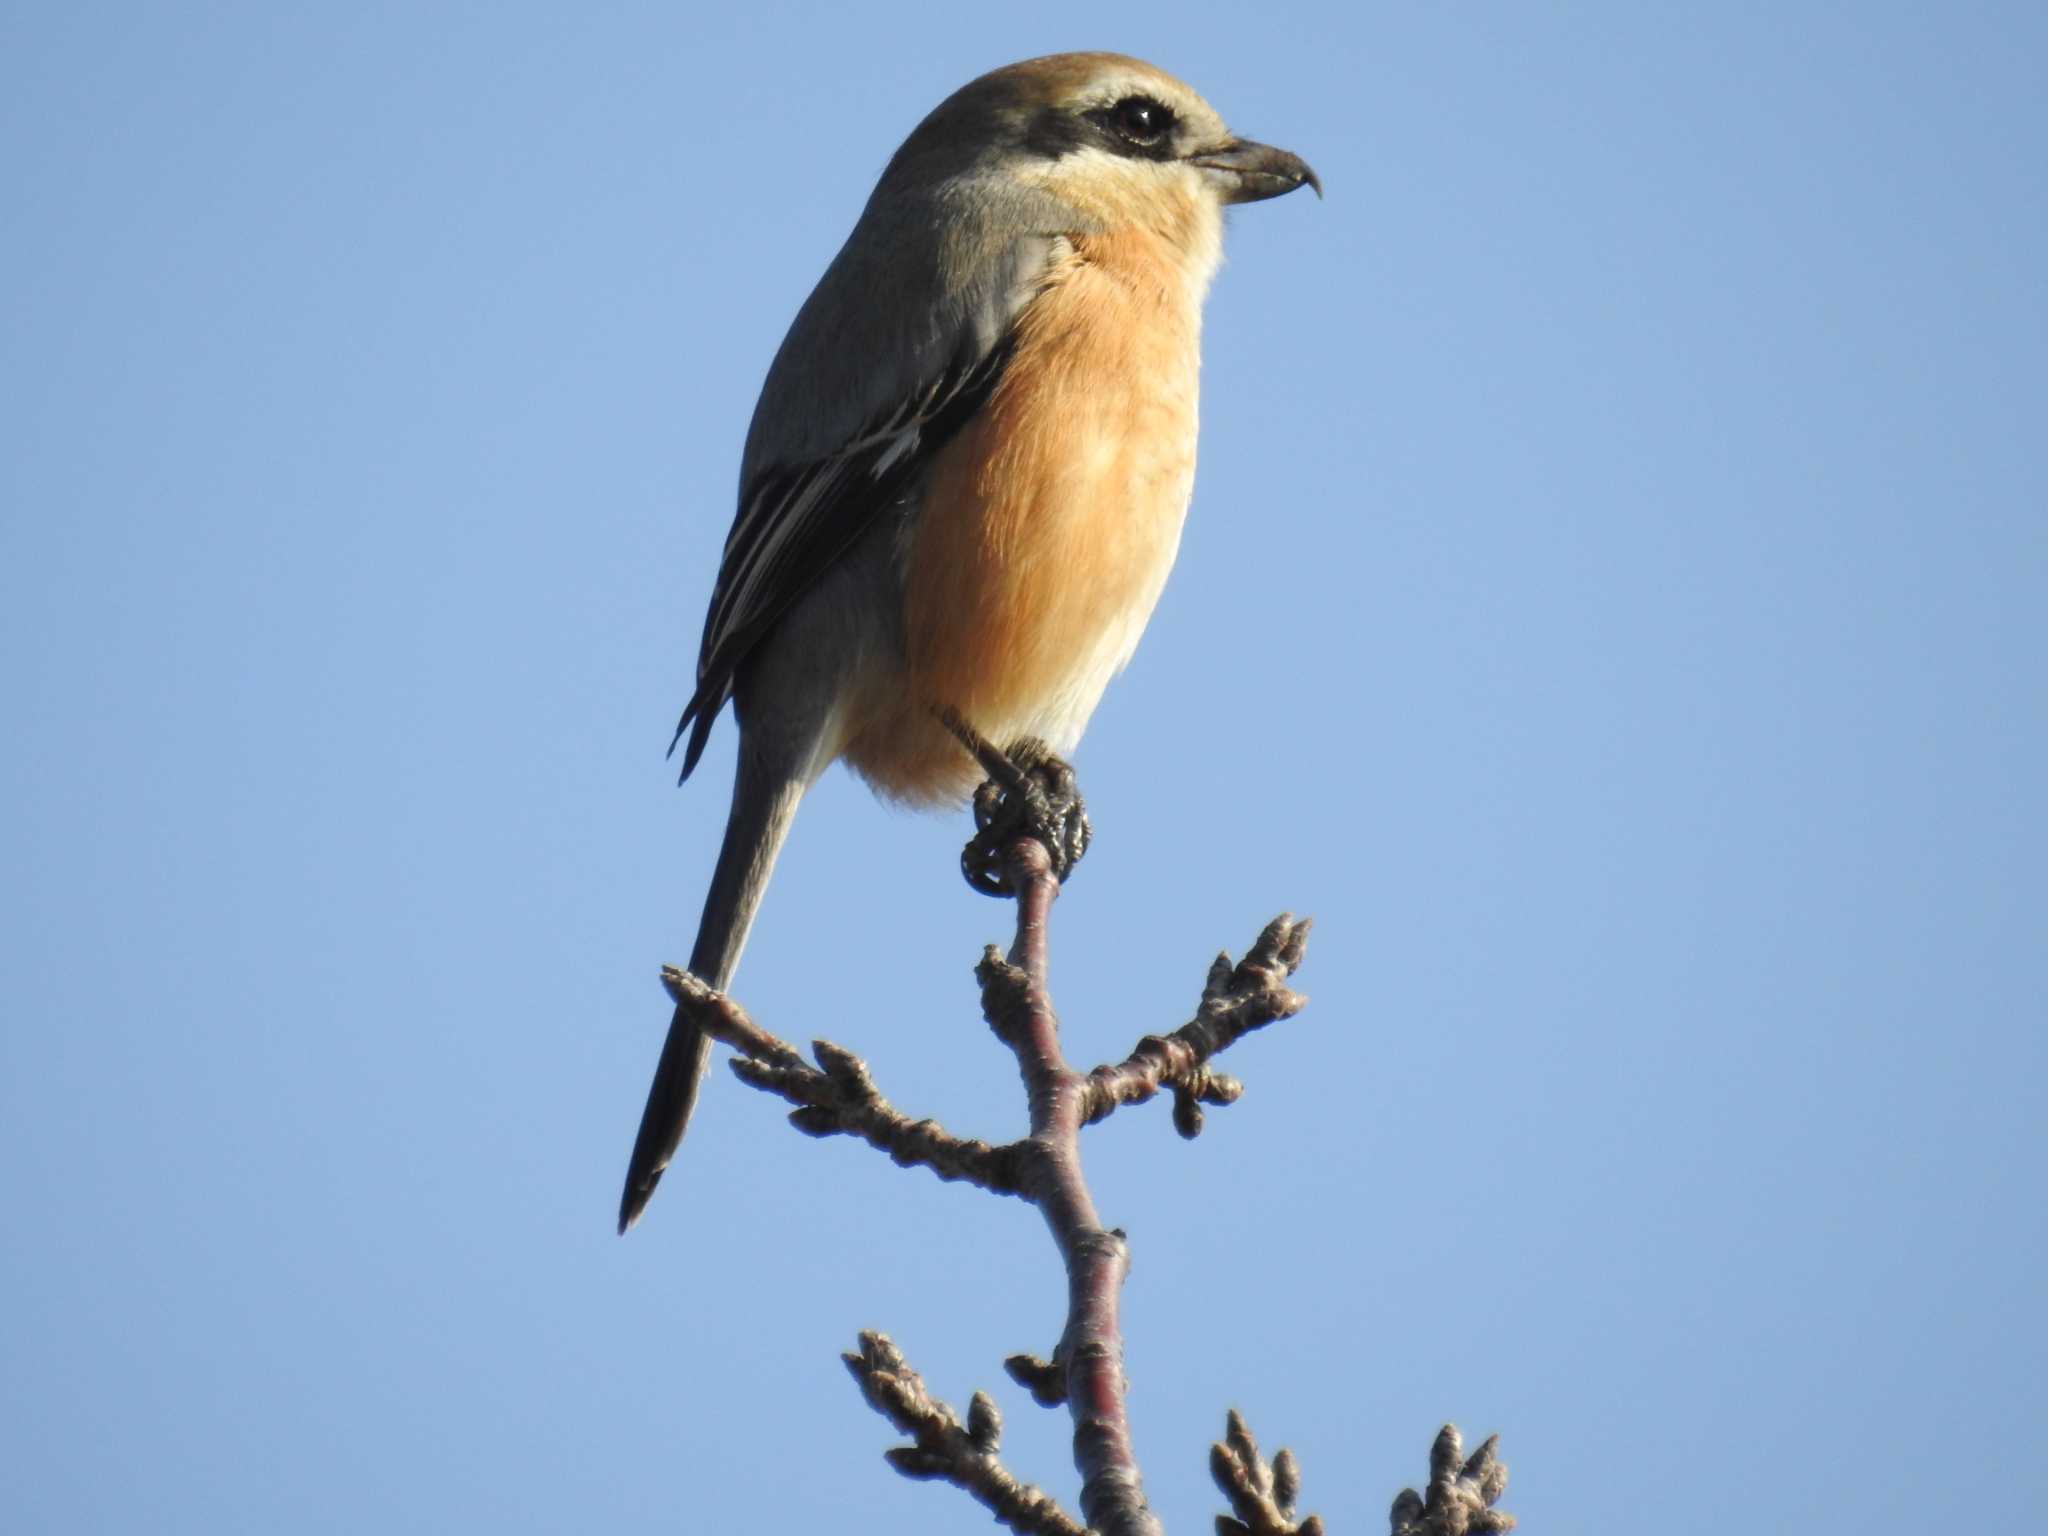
(1047, 526)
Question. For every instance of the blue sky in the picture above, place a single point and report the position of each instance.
(1612, 605)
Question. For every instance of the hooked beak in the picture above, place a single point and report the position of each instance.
(1250, 172)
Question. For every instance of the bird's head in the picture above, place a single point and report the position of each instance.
(1110, 140)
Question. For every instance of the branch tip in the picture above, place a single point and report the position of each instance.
(942, 1449)
(1261, 1494)
(1237, 998)
(1461, 1495)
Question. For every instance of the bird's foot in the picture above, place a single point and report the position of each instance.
(1030, 792)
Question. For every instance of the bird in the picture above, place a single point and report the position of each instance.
(966, 475)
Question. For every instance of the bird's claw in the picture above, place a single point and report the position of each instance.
(1029, 793)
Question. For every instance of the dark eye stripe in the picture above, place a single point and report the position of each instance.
(1139, 126)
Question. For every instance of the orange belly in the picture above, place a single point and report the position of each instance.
(1046, 528)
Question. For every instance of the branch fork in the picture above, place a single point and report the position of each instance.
(834, 1094)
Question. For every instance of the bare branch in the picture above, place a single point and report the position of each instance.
(723, 1019)
(834, 1094)
(1235, 1001)
(944, 1449)
(838, 1097)
(1019, 1010)
(1461, 1495)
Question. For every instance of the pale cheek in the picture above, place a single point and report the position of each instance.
(1166, 198)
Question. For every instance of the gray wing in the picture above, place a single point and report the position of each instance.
(899, 345)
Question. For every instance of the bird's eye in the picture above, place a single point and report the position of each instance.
(1142, 120)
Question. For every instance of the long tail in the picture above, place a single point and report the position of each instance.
(764, 802)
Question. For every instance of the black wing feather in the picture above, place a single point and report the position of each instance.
(796, 521)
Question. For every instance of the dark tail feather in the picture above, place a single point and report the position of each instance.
(764, 802)
(684, 1056)
(698, 716)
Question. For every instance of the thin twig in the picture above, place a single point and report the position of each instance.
(1236, 1000)
(838, 1097)
(961, 1454)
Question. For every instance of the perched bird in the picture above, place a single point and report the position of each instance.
(966, 475)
